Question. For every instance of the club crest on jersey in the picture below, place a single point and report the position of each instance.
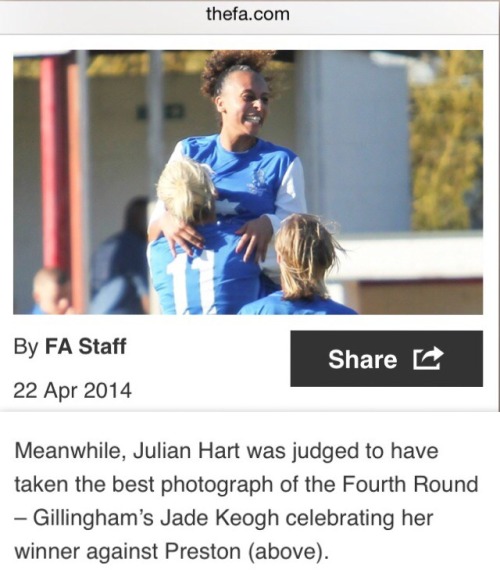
(258, 186)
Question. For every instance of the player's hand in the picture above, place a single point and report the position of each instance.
(176, 233)
(255, 238)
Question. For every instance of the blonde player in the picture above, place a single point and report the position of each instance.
(306, 252)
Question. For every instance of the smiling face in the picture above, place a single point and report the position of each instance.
(243, 104)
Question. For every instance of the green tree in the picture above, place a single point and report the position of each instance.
(446, 141)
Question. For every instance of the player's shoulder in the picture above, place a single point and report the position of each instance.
(193, 146)
(338, 308)
(267, 305)
(267, 147)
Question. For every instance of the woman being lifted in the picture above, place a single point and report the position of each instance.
(257, 181)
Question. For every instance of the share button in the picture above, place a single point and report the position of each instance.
(386, 358)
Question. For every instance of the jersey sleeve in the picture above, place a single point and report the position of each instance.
(159, 207)
(291, 196)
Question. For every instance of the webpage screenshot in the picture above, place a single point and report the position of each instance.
(250, 317)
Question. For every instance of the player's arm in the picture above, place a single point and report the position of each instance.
(257, 233)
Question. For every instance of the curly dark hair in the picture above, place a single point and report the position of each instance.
(221, 63)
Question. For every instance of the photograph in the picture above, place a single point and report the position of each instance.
(248, 182)
(328, 168)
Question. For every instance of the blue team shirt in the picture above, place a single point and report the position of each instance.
(248, 181)
(214, 280)
(276, 304)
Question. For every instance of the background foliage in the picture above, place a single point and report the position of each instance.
(446, 144)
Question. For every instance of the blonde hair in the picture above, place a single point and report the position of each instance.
(187, 191)
(307, 251)
(51, 291)
(49, 276)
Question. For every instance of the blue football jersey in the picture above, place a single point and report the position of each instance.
(247, 182)
(215, 280)
(276, 304)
